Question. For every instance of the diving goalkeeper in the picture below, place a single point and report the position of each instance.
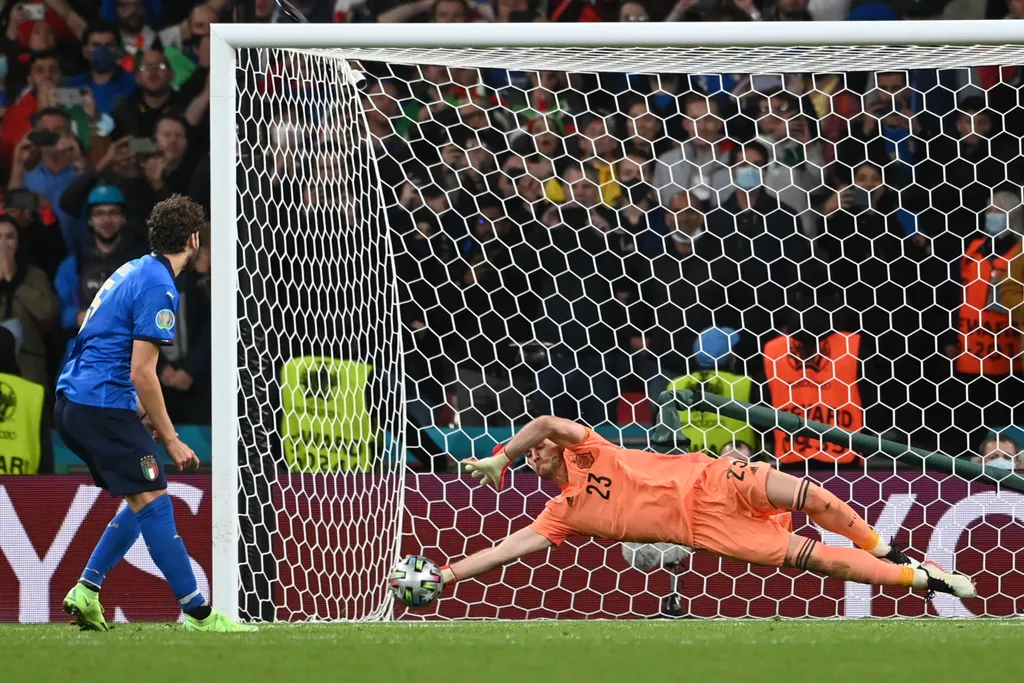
(724, 506)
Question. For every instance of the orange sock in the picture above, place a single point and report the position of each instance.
(851, 564)
(832, 514)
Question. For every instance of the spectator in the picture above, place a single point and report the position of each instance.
(645, 132)
(184, 366)
(26, 447)
(40, 232)
(43, 80)
(135, 33)
(866, 251)
(797, 161)
(715, 370)
(978, 159)
(424, 255)
(169, 170)
(700, 163)
(108, 82)
(565, 276)
(998, 452)
(762, 246)
(154, 98)
(682, 297)
(82, 274)
(188, 34)
(788, 10)
(60, 162)
(26, 297)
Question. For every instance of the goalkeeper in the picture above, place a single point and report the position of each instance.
(724, 506)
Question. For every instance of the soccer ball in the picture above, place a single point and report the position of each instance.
(416, 581)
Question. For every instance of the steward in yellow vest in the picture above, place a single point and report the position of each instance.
(714, 372)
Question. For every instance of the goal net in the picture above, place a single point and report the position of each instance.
(434, 245)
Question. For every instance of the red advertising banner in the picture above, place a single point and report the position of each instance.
(48, 528)
(49, 525)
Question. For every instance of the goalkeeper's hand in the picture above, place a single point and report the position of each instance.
(490, 470)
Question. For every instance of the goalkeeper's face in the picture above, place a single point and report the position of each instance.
(545, 459)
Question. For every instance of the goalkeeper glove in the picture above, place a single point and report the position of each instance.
(490, 470)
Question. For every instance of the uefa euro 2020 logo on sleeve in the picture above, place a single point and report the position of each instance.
(165, 319)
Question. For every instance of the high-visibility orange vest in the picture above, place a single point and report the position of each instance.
(986, 344)
(821, 389)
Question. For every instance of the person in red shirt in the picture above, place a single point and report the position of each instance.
(729, 507)
(44, 78)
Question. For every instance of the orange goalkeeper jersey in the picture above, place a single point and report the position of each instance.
(622, 494)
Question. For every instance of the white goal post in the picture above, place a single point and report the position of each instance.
(303, 577)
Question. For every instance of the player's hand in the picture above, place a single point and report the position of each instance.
(489, 470)
(148, 424)
(182, 455)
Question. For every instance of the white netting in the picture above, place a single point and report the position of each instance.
(498, 242)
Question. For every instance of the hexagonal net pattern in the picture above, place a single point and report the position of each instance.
(436, 246)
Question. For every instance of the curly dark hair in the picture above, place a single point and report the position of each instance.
(172, 222)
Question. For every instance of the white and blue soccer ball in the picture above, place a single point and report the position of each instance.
(416, 581)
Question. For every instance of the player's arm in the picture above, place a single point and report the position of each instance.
(519, 544)
(562, 432)
(145, 355)
(492, 470)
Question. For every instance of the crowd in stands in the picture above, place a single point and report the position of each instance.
(562, 239)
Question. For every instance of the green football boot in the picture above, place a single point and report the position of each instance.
(217, 623)
(84, 605)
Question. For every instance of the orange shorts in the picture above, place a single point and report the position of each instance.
(730, 514)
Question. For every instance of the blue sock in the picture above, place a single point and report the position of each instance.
(168, 552)
(116, 540)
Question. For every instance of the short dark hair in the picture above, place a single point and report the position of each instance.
(48, 111)
(172, 222)
(43, 54)
(100, 26)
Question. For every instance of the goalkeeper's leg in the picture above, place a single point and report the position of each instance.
(787, 492)
(853, 564)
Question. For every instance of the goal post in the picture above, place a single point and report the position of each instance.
(312, 496)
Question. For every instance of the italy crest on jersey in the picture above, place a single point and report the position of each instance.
(149, 469)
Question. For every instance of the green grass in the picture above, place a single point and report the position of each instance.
(568, 652)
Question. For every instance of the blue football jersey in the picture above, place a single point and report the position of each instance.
(139, 301)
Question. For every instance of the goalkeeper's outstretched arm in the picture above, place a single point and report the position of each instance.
(519, 544)
(560, 431)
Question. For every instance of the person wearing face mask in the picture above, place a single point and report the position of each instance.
(987, 350)
(761, 242)
(998, 452)
(82, 274)
(107, 80)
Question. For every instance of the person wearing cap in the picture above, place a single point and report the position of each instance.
(82, 274)
(715, 372)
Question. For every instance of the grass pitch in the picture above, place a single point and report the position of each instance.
(587, 652)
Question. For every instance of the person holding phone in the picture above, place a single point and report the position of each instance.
(43, 80)
(40, 232)
(59, 163)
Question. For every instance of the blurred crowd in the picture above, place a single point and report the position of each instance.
(562, 239)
